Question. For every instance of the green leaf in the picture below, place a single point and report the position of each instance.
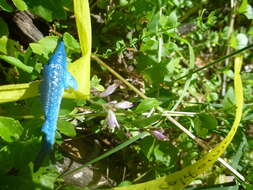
(20, 4)
(45, 46)
(147, 104)
(162, 153)
(147, 147)
(95, 83)
(48, 10)
(10, 129)
(172, 19)
(198, 127)
(44, 12)
(16, 62)
(123, 2)
(229, 99)
(239, 153)
(67, 106)
(45, 177)
(153, 24)
(66, 128)
(208, 121)
(71, 42)
(146, 121)
(3, 44)
(5, 6)
(243, 6)
(4, 30)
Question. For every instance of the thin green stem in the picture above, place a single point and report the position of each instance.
(215, 62)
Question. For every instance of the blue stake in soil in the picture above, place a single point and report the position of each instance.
(56, 78)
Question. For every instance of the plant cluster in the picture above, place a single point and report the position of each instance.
(156, 46)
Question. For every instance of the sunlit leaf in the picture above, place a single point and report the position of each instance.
(20, 4)
(66, 128)
(45, 46)
(3, 44)
(10, 129)
(16, 62)
(70, 42)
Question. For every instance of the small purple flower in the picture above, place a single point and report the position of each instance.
(123, 105)
(110, 89)
(159, 135)
(112, 120)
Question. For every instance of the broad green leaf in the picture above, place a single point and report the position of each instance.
(71, 43)
(208, 121)
(123, 2)
(45, 46)
(48, 10)
(20, 4)
(67, 106)
(147, 105)
(10, 129)
(199, 130)
(4, 30)
(5, 6)
(66, 128)
(172, 19)
(203, 123)
(16, 62)
(44, 12)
